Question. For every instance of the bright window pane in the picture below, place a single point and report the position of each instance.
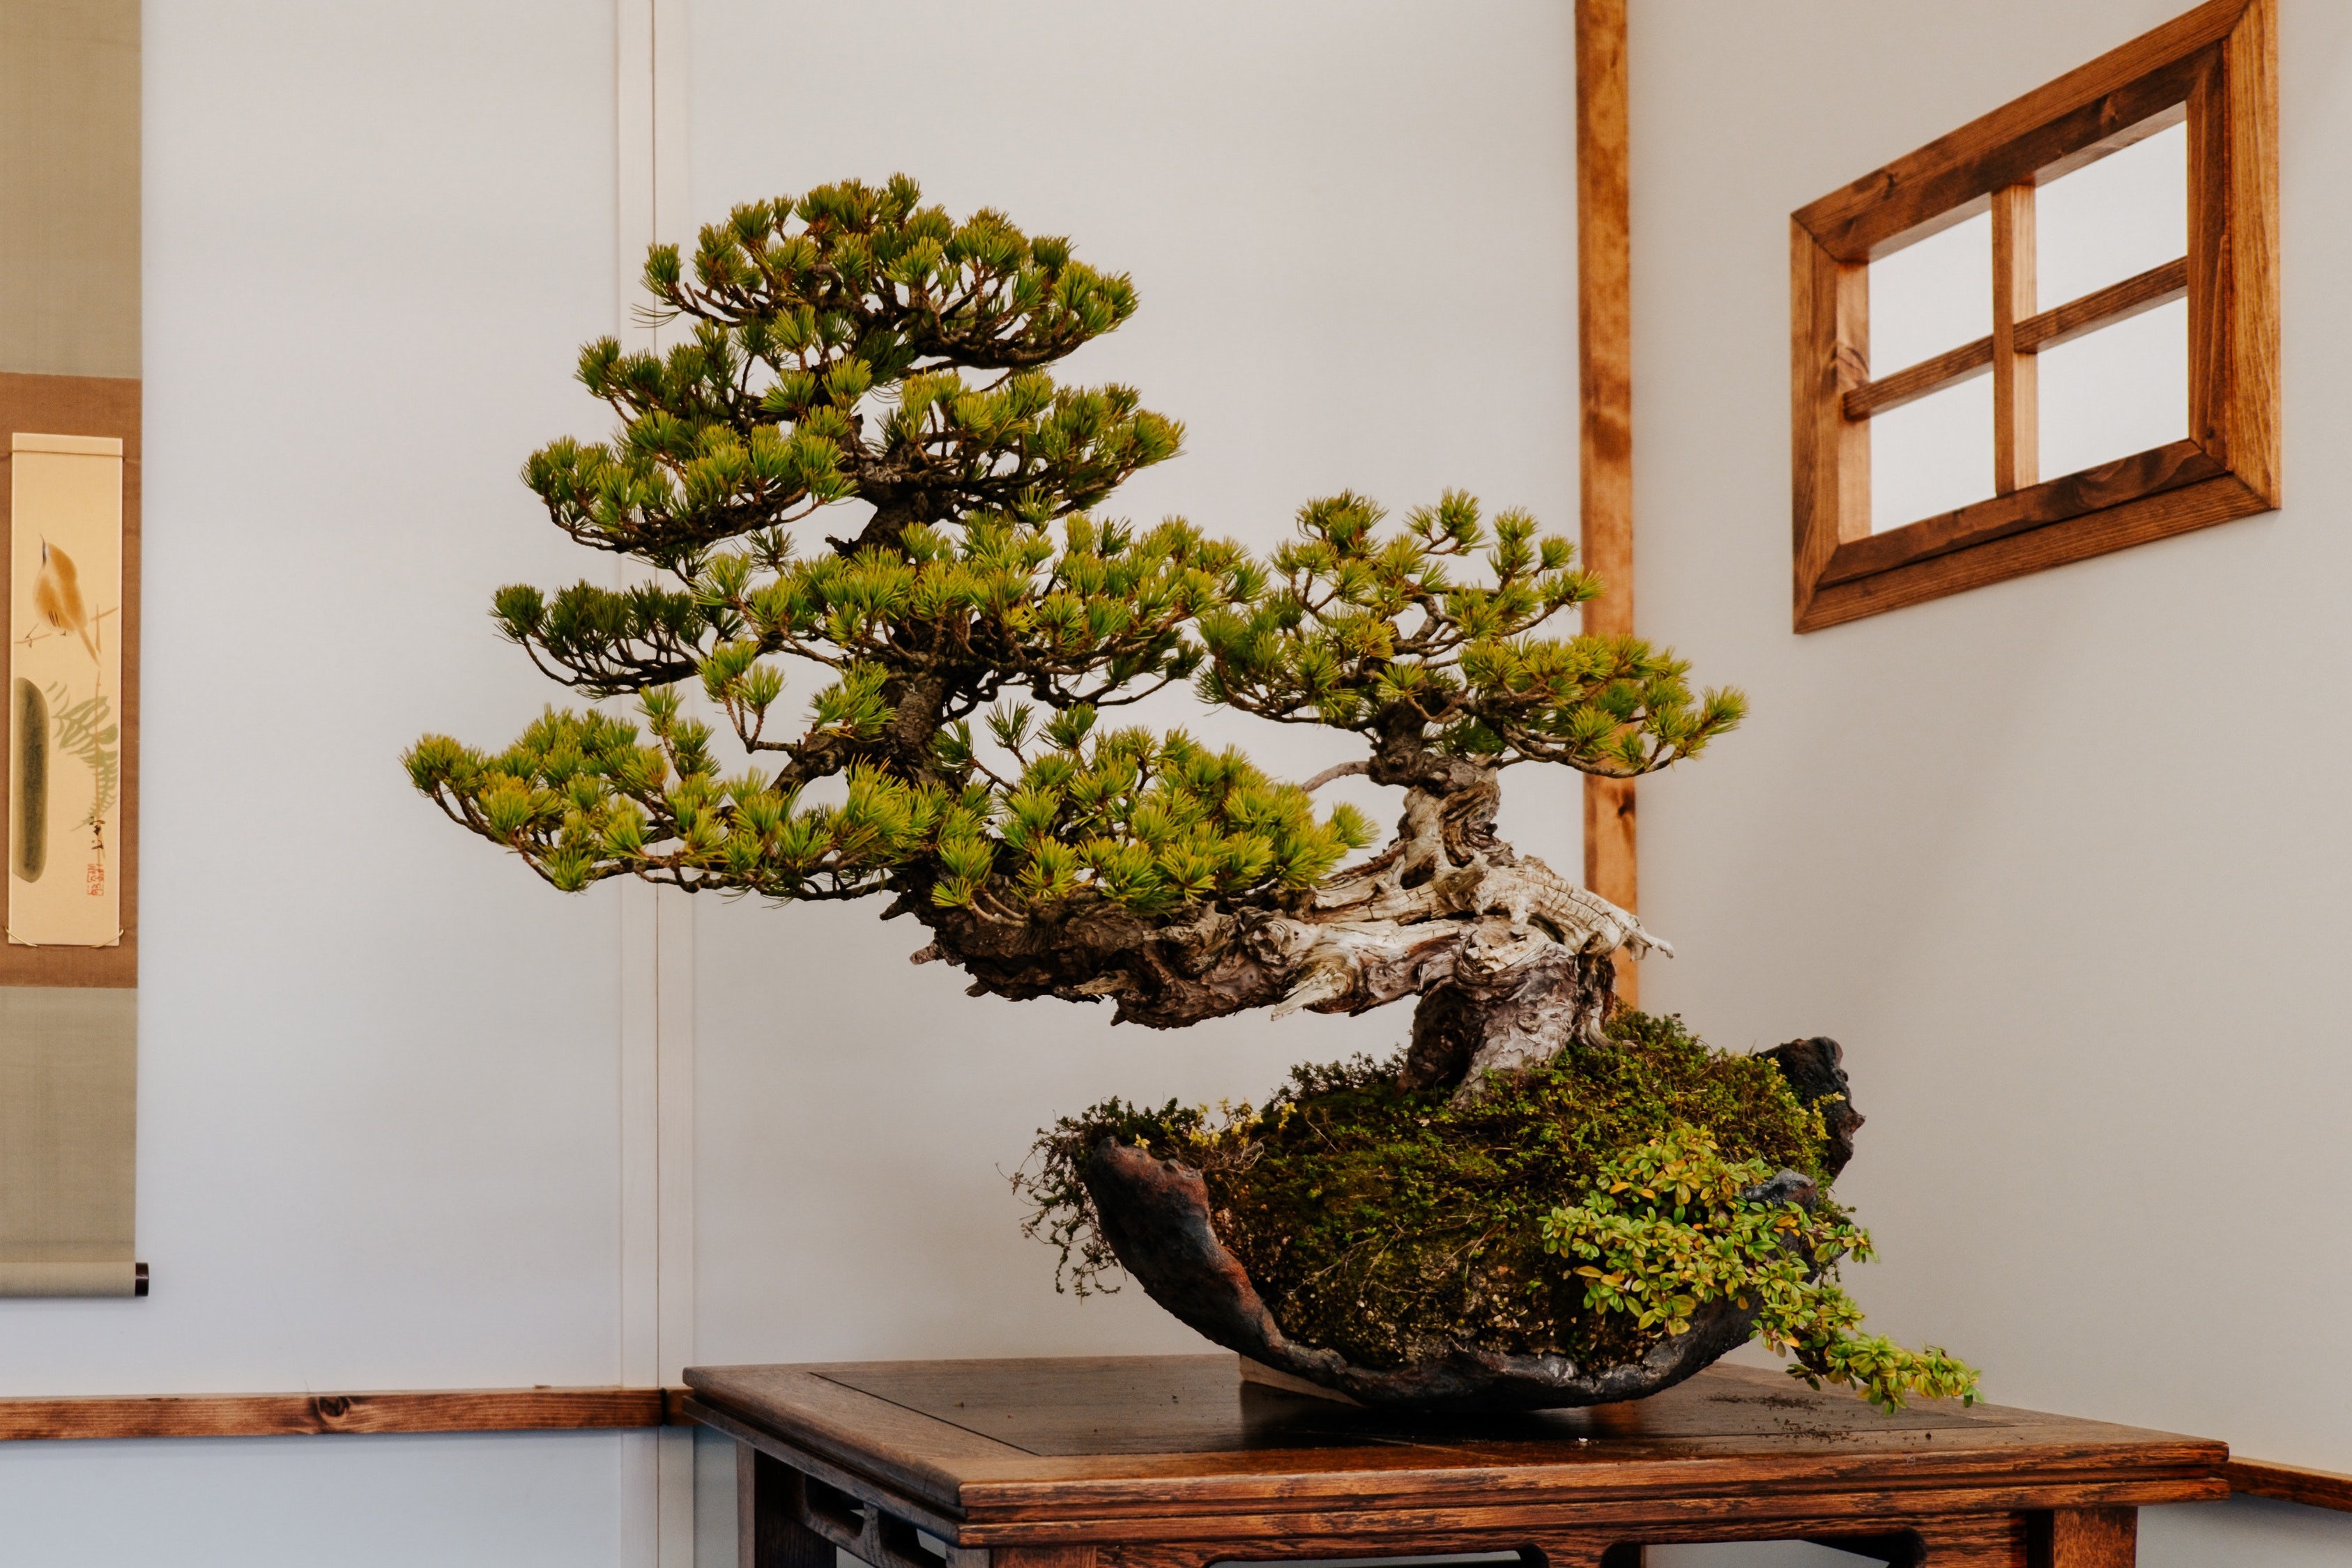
(1932, 296)
(2113, 219)
(2120, 390)
(1932, 456)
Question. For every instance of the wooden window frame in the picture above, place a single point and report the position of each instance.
(2215, 68)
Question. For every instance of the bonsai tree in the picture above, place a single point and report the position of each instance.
(975, 621)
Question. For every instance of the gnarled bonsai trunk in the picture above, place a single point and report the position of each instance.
(1510, 960)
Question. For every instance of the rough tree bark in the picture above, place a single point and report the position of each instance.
(1509, 960)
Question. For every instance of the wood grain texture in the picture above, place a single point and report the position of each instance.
(1998, 1540)
(2138, 130)
(1604, 350)
(2016, 402)
(1044, 1557)
(2104, 306)
(2057, 500)
(2250, 108)
(768, 1531)
(878, 1448)
(2099, 105)
(2290, 1483)
(1913, 382)
(2220, 499)
(1172, 1462)
(1612, 866)
(88, 405)
(2209, 279)
(925, 1509)
(1605, 314)
(868, 1532)
(1829, 359)
(2087, 1538)
(291, 1414)
(2048, 330)
(2215, 67)
(1738, 1506)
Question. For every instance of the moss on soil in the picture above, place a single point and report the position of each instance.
(1390, 1225)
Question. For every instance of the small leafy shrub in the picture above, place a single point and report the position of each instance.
(1673, 1226)
(1579, 1208)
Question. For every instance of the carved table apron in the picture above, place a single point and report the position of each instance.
(1173, 1461)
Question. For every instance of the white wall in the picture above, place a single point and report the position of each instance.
(384, 1130)
(2056, 860)
(1352, 230)
(377, 1092)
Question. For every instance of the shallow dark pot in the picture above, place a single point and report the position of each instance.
(1155, 1214)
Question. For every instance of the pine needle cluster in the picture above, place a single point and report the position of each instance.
(855, 347)
(1368, 630)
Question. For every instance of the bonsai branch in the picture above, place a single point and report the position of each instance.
(1511, 961)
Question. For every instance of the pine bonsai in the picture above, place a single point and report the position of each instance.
(852, 351)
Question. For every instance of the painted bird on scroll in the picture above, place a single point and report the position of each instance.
(56, 594)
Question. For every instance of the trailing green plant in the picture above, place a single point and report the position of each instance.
(1672, 1226)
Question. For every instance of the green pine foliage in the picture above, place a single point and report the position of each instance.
(855, 346)
(1366, 628)
(1148, 821)
(800, 311)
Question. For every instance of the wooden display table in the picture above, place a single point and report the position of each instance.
(1175, 1462)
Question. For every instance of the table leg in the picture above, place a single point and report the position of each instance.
(1628, 1554)
(2085, 1538)
(1982, 1540)
(768, 1532)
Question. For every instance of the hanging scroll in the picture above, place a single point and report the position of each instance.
(65, 686)
(69, 501)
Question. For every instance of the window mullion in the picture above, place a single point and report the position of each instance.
(2016, 406)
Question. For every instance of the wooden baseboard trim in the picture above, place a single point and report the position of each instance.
(311, 1414)
(2291, 1483)
(606, 1409)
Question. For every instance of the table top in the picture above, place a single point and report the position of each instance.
(1095, 1437)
